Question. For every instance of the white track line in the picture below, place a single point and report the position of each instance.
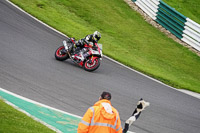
(23, 111)
(197, 95)
(39, 104)
(183, 91)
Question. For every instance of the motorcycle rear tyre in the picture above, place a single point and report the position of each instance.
(61, 57)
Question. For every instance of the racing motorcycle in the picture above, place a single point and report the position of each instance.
(68, 50)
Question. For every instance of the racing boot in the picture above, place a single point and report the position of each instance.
(80, 57)
(83, 56)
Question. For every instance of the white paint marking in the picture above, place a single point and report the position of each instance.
(197, 95)
(29, 115)
(36, 18)
(34, 118)
(37, 103)
(40, 104)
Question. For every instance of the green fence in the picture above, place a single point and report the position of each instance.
(170, 19)
(179, 25)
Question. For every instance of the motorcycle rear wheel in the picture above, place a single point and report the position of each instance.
(91, 66)
(59, 55)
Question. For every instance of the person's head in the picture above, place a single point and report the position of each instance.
(105, 95)
(97, 35)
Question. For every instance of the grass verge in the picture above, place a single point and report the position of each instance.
(189, 8)
(126, 37)
(13, 121)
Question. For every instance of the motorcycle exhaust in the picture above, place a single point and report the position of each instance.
(65, 45)
(67, 48)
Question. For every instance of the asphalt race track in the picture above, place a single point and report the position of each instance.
(28, 68)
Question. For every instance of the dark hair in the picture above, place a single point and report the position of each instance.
(106, 95)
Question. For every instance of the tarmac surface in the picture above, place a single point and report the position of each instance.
(28, 68)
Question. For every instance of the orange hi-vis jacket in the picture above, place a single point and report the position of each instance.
(101, 118)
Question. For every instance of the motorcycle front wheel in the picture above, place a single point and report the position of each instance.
(91, 66)
(60, 55)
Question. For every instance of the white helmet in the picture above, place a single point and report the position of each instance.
(97, 35)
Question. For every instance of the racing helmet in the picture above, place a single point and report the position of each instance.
(97, 36)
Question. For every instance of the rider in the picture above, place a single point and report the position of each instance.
(85, 42)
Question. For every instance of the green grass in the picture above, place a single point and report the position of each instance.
(13, 121)
(126, 37)
(189, 8)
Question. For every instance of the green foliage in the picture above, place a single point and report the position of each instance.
(126, 37)
(13, 121)
(41, 3)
